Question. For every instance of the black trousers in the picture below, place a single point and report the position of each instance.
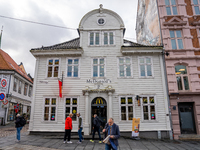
(96, 129)
(67, 134)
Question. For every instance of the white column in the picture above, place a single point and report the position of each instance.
(86, 126)
(110, 104)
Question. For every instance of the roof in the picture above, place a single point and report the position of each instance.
(128, 43)
(7, 63)
(72, 44)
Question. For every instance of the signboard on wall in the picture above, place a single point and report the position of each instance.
(135, 127)
(4, 82)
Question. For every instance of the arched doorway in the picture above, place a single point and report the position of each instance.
(99, 107)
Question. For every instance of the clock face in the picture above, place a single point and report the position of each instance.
(101, 21)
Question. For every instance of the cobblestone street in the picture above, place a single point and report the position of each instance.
(36, 142)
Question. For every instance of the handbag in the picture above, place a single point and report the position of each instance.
(106, 139)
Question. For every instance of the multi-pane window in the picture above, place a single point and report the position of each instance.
(196, 6)
(94, 38)
(71, 106)
(145, 66)
(20, 87)
(72, 67)
(50, 109)
(15, 84)
(30, 91)
(108, 38)
(127, 105)
(148, 108)
(98, 67)
(53, 68)
(176, 39)
(124, 67)
(182, 77)
(25, 88)
(171, 7)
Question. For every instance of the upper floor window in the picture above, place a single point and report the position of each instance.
(30, 91)
(20, 87)
(108, 38)
(126, 105)
(53, 68)
(196, 6)
(145, 66)
(125, 67)
(73, 67)
(71, 106)
(94, 38)
(98, 67)
(182, 77)
(171, 7)
(15, 84)
(148, 108)
(176, 39)
(25, 88)
(50, 109)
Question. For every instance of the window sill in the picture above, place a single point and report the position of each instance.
(125, 78)
(149, 121)
(98, 77)
(146, 77)
(51, 78)
(75, 78)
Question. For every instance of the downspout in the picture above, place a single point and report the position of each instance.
(165, 74)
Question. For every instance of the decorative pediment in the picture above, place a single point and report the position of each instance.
(196, 23)
(175, 21)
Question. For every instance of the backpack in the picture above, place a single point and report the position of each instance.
(23, 121)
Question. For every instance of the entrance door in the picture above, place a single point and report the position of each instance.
(99, 107)
(186, 115)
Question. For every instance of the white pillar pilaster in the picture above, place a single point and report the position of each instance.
(86, 126)
(110, 104)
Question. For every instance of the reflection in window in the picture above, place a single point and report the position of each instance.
(53, 68)
(72, 67)
(148, 106)
(98, 67)
(50, 109)
(71, 105)
(126, 107)
(124, 67)
(182, 77)
(145, 65)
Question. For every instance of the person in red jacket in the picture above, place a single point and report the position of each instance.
(68, 128)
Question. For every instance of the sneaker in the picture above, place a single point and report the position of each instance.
(92, 141)
(100, 142)
(78, 142)
(64, 142)
(82, 140)
(18, 141)
(69, 142)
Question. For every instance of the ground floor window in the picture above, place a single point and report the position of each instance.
(127, 107)
(148, 108)
(71, 106)
(50, 106)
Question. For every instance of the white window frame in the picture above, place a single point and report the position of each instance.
(50, 97)
(148, 104)
(176, 39)
(73, 67)
(15, 82)
(120, 105)
(108, 32)
(30, 90)
(53, 68)
(94, 38)
(26, 89)
(20, 87)
(131, 67)
(71, 97)
(152, 70)
(170, 5)
(195, 5)
(98, 73)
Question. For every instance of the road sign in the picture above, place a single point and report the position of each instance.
(3, 83)
(2, 96)
(5, 102)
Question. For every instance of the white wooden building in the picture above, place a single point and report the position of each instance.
(102, 73)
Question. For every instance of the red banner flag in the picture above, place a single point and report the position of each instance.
(60, 88)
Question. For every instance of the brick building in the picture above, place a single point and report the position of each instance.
(180, 35)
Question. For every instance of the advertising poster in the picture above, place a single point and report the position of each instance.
(135, 127)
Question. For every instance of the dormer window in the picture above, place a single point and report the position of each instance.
(94, 38)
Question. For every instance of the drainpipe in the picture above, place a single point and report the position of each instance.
(165, 74)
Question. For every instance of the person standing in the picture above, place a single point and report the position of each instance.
(68, 128)
(80, 128)
(113, 130)
(96, 127)
(19, 126)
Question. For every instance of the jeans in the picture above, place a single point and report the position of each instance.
(18, 132)
(80, 134)
(98, 130)
(108, 147)
(67, 134)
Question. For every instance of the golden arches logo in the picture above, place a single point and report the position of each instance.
(99, 101)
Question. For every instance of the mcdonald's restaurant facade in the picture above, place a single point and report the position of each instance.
(103, 74)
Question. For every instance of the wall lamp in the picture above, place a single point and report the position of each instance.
(165, 53)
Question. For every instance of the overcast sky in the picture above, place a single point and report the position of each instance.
(19, 37)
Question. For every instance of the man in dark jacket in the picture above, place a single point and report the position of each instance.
(113, 130)
(96, 127)
(19, 126)
(68, 128)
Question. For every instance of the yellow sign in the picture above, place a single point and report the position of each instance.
(99, 101)
(135, 127)
(74, 111)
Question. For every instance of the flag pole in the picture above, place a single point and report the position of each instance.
(1, 36)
